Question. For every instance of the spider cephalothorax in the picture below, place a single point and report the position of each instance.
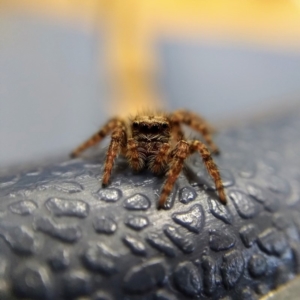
(156, 142)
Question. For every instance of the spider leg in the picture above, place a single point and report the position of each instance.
(177, 157)
(210, 166)
(198, 124)
(159, 162)
(135, 158)
(117, 143)
(182, 150)
(197, 117)
(98, 136)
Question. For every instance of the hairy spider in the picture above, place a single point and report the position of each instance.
(156, 142)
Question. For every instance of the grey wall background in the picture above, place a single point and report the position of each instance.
(52, 95)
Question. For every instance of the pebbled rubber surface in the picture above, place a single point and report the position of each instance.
(64, 237)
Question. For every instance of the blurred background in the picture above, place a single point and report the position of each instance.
(68, 65)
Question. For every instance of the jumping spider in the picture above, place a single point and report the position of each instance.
(156, 142)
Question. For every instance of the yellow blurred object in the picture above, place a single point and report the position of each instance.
(130, 56)
(132, 26)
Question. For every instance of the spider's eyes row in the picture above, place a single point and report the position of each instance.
(144, 126)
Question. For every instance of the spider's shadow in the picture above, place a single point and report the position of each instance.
(200, 181)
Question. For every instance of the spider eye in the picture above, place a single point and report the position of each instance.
(135, 124)
(144, 127)
(155, 128)
(165, 125)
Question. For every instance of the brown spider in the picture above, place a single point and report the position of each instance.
(156, 142)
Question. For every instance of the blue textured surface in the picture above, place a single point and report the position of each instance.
(62, 236)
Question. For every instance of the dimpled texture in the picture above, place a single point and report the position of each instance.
(63, 236)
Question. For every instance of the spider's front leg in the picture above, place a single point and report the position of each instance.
(117, 144)
(98, 136)
(135, 158)
(197, 123)
(210, 166)
(179, 154)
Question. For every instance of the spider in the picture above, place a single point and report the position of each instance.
(156, 142)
